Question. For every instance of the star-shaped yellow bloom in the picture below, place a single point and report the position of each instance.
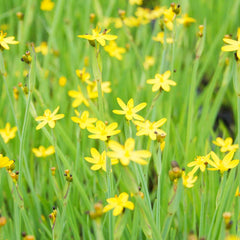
(79, 98)
(4, 41)
(99, 36)
(43, 152)
(161, 81)
(188, 180)
(8, 133)
(5, 161)
(226, 145)
(186, 20)
(93, 91)
(102, 131)
(83, 75)
(129, 110)
(148, 62)
(49, 118)
(118, 203)
(114, 50)
(99, 160)
(84, 121)
(160, 38)
(150, 129)
(43, 48)
(233, 44)
(126, 153)
(222, 165)
(199, 162)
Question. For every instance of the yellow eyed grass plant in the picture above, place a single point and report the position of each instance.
(92, 146)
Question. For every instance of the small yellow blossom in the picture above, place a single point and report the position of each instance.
(84, 121)
(8, 133)
(129, 110)
(93, 91)
(132, 21)
(118, 203)
(83, 75)
(99, 37)
(138, 2)
(102, 131)
(49, 118)
(43, 152)
(233, 44)
(186, 20)
(47, 5)
(157, 12)
(114, 50)
(222, 165)
(160, 38)
(150, 129)
(188, 180)
(226, 145)
(126, 153)
(4, 41)
(148, 62)
(99, 160)
(169, 17)
(43, 48)
(199, 162)
(5, 161)
(62, 81)
(79, 98)
(232, 237)
(161, 81)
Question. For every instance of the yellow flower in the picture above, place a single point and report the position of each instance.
(5, 162)
(47, 5)
(43, 48)
(132, 21)
(150, 129)
(126, 153)
(188, 180)
(99, 37)
(233, 44)
(169, 16)
(62, 81)
(43, 152)
(7, 133)
(83, 75)
(222, 165)
(118, 203)
(4, 41)
(114, 50)
(199, 163)
(149, 62)
(226, 145)
(93, 91)
(138, 2)
(232, 237)
(79, 98)
(160, 38)
(103, 132)
(99, 160)
(48, 118)
(186, 20)
(129, 110)
(161, 81)
(84, 121)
